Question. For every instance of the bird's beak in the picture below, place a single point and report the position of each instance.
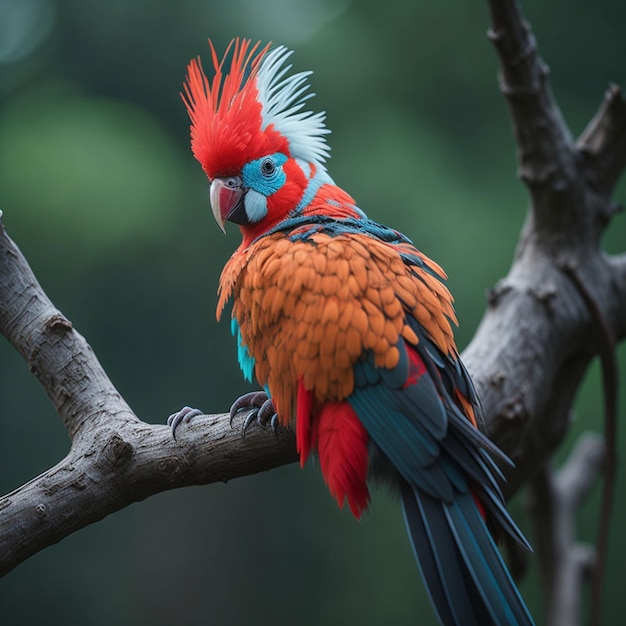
(226, 197)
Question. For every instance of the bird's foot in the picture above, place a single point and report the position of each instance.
(186, 414)
(260, 408)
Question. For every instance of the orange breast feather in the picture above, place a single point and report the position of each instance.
(309, 309)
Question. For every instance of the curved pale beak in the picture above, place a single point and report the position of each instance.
(226, 197)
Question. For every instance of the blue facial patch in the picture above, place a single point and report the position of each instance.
(256, 177)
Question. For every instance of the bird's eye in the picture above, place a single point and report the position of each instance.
(268, 167)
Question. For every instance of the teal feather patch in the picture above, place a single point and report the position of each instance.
(320, 178)
(246, 360)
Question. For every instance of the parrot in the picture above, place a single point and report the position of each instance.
(348, 329)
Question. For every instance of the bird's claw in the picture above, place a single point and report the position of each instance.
(248, 402)
(274, 424)
(186, 414)
(260, 409)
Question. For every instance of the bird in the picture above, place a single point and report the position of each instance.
(348, 330)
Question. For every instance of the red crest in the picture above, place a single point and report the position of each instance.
(250, 111)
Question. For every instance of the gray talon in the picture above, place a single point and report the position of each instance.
(265, 413)
(186, 414)
(274, 425)
(249, 419)
(252, 400)
(260, 407)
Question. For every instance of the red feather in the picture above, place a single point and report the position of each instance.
(303, 422)
(342, 448)
(225, 113)
(341, 442)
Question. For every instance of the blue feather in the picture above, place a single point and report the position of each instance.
(441, 459)
(246, 360)
(460, 564)
(447, 582)
(320, 178)
(485, 565)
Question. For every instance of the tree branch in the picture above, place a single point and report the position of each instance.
(115, 458)
(603, 142)
(545, 145)
(535, 340)
(555, 500)
(610, 384)
(570, 185)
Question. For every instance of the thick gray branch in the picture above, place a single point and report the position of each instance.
(115, 458)
(535, 340)
(59, 356)
(564, 296)
(125, 461)
(532, 349)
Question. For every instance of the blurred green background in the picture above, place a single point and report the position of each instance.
(100, 191)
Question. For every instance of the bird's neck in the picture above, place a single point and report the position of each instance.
(323, 197)
(320, 197)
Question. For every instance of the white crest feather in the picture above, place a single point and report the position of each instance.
(282, 100)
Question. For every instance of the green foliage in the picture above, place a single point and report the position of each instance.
(99, 190)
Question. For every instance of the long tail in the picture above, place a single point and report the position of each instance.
(463, 571)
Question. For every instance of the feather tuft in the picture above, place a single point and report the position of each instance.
(342, 448)
(282, 101)
(250, 109)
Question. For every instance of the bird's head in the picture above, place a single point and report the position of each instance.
(251, 134)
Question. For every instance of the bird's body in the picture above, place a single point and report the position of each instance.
(348, 328)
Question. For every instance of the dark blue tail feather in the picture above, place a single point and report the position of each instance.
(462, 569)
